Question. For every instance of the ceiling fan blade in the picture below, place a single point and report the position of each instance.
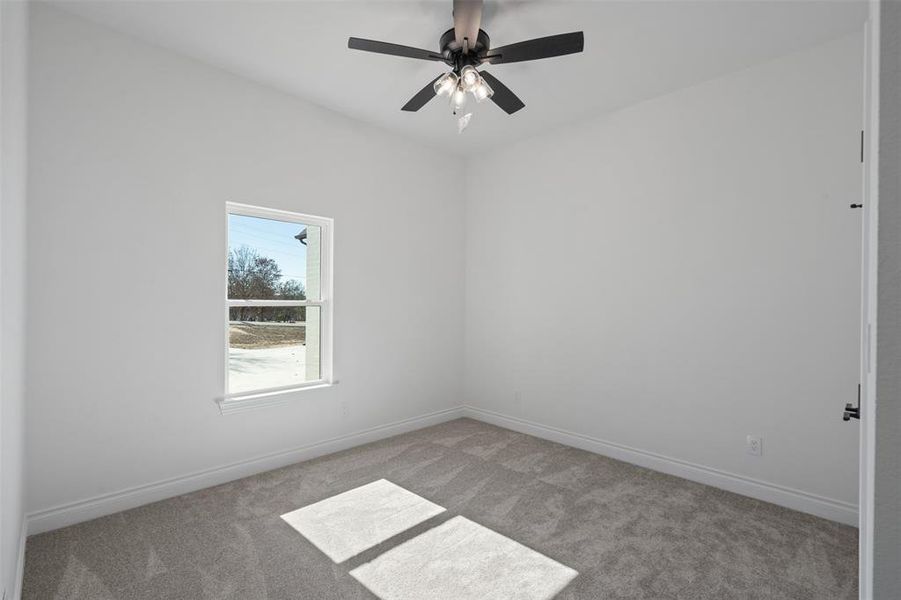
(503, 97)
(467, 20)
(422, 97)
(392, 49)
(546, 47)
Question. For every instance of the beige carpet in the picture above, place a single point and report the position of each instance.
(628, 532)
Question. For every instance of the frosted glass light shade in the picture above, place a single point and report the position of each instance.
(458, 99)
(445, 84)
(482, 91)
(469, 78)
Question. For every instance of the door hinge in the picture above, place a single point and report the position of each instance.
(861, 146)
(852, 411)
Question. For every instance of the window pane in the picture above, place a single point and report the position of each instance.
(269, 259)
(272, 347)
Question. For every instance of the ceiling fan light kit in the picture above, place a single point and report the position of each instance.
(466, 47)
(456, 88)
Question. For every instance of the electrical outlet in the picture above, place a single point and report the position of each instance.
(517, 401)
(344, 409)
(755, 445)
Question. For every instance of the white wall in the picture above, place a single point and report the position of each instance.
(677, 275)
(887, 543)
(13, 176)
(134, 152)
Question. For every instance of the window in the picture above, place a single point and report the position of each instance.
(278, 303)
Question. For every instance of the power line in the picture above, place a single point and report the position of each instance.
(250, 226)
(296, 246)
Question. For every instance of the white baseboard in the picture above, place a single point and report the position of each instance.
(106, 504)
(827, 508)
(98, 506)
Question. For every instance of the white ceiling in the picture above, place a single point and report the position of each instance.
(633, 51)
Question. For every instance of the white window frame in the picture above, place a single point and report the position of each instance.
(277, 395)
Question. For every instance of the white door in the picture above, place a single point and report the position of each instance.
(869, 221)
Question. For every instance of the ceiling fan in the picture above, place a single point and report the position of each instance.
(466, 47)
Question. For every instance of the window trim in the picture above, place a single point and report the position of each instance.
(241, 401)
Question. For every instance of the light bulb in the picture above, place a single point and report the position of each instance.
(458, 99)
(482, 91)
(445, 84)
(469, 77)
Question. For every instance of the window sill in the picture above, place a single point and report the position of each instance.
(235, 403)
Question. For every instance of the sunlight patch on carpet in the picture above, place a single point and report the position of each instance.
(345, 525)
(461, 560)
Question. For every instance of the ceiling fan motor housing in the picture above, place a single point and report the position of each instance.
(453, 53)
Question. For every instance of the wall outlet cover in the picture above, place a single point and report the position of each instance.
(755, 445)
